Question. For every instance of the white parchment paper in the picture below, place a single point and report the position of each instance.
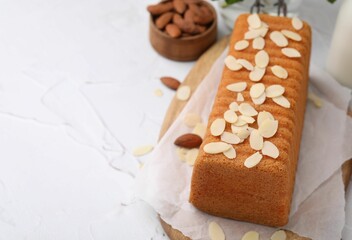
(318, 202)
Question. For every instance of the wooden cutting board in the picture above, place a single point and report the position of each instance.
(193, 79)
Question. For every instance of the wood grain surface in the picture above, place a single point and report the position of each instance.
(193, 79)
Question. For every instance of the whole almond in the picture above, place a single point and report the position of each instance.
(160, 8)
(205, 17)
(195, 8)
(192, 1)
(189, 16)
(170, 82)
(163, 20)
(179, 6)
(188, 140)
(178, 20)
(173, 30)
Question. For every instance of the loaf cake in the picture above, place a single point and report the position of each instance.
(247, 162)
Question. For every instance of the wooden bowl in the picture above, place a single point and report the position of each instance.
(184, 48)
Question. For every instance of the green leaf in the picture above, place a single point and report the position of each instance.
(331, 1)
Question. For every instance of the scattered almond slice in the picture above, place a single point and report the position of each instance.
(217, 127)
(232, 64)
(254, 21)
(234, 106)
(262, 116)
(262, 59)
(279, 235)
(250, 162)
(183, 93)
(142, 150)
(260, 100)
(230, 116)
(246, 64)
(250, 129)
(237, 87)
(191, 156)
(158, 92)
(216, 147)
(282, 101)
(215, 232)
(241, 45)
(240, 97)
(279, 39)
(181, 153)
(291, 52)
(279, 71)
(240, 122)
(231, 153)
(257, 74)
(191, 119)
(256, 140)
(247, 119)
(274, 91)
(200, 130)
(263, 31)
(243, 133)
(247, 110)
(315, 99)
(292, 35)
(251, 34)
(269, 149)
(230, 138)
(297, 23)
(257, 90)
(258, 43)
(236, 129)
(268, 128)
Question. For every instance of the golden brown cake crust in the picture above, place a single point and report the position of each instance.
(261, 194)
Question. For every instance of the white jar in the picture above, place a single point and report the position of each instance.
(339, 63)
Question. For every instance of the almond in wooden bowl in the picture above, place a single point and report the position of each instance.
(184, 37)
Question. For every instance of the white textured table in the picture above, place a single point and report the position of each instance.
(76, 96)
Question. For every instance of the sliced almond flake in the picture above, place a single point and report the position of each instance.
(231, 63)
(297, 23)
(247, 119)
(234, 106)
(256, 140)
(237, 87)
(260, 100)
(262, 26)
(258, 43)
(241, 45)
(262, 59)
(265, 25)
(246, 64)
(269, 149)
(216, 147)
(257, 90)
(263, 31)
(291, 52)
(247, 109)
(282, 101)
(292, 35)
(250, 162)
(231, 153)
(191, 156)
(236, 129)
(183, 93)
(240, 122)
(257, 74)
(315, 99)
(217, 127)
(243, 134)
(181, 153)
(230, 116)
(274, 91)
(240, 97)
(278, 38)
(142, 150)
(254, 21)
(158, 92)
(279, 71)
(215, 232)
(250, 129)
(268, 128)
(191, 119)
(262, 116)
(200, 129)
(251, 34)
(279, 235)
(230, 138)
